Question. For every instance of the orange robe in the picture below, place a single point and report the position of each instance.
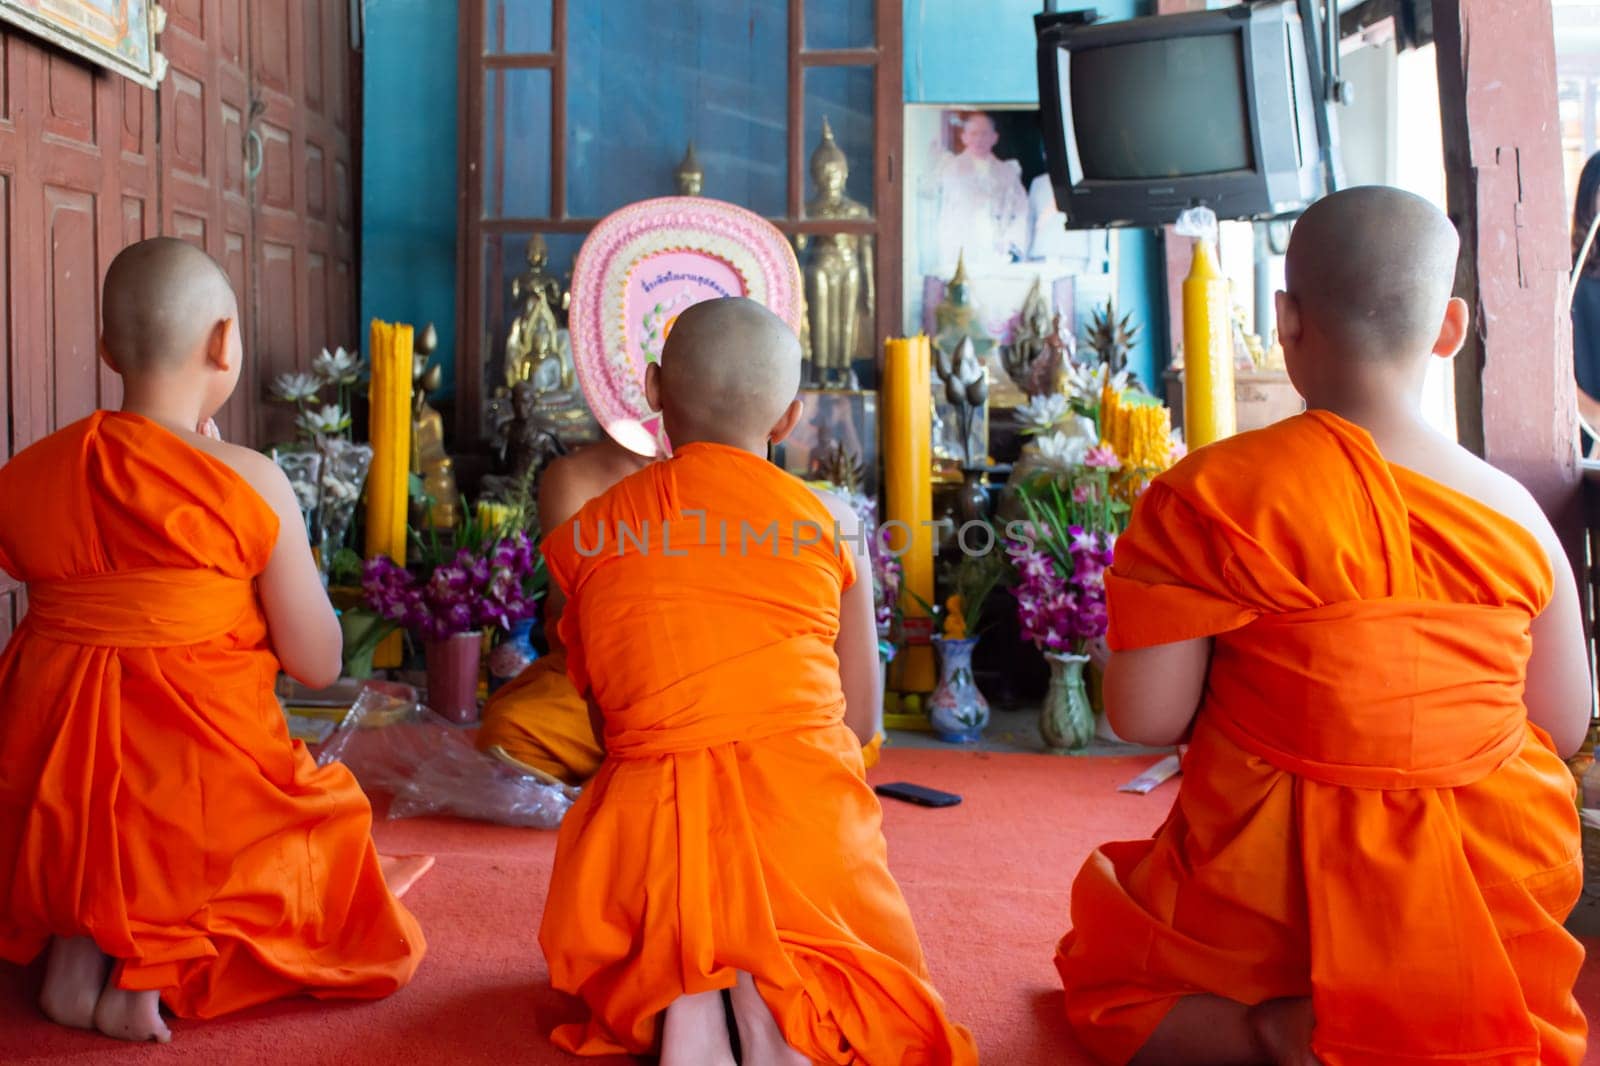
(730, 827)
(1366, 816)
(539, 720)
(150, 796)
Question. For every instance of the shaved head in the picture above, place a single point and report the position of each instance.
(162, 302)
(1371, 270)
(729, 371)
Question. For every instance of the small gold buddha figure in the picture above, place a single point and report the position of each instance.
(541, 304)
(429, 460)
(840, 288)
(690, 176)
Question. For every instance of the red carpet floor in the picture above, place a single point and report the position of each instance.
(987, 882)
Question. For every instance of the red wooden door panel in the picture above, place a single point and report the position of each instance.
(204, 109)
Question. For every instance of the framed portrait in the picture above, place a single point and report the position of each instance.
(978, 193)
(117, 34)
(836, 422)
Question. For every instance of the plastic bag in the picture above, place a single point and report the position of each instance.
(395, 745)
(1199, 223)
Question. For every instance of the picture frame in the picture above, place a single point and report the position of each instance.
(994, 195)
(846, 416)
(119, 35)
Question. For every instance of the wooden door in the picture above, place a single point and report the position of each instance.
(205, 109)
(78, 181)
(304, 192)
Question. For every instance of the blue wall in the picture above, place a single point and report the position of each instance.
(953, 55)
(408, 168)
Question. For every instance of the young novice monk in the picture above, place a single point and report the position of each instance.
(157, 829)
(1375, 640)
(729, 840)
(538, 722)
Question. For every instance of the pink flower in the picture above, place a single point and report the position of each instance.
(1102, 457)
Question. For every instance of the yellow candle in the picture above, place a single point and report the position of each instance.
(378, 480)
(388, 478)
(908, 475)
(1208, 406)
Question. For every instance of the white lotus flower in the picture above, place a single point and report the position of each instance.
(1062, 452)
(338, 367)
(330, 419)
(295, 388)
(1043, 413)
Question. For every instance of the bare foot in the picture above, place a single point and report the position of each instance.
(761, 1042)
(128, 1015)
(695, 1032)
(1284, 1027)
(73, 977)
(400, 872)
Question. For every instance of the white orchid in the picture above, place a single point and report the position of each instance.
(326, 421)
(295, 388)
(1062, 452)
(1043, 413)
(338, 367)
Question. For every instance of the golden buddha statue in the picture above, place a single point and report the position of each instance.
(429, 461)
(840, 288)
(541, 304)
(956, 324)
(690, 176)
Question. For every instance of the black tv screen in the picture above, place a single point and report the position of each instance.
(1146, 117)
(1180, 108)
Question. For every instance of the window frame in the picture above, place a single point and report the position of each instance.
(478, 329)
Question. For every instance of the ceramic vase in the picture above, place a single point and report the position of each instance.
(1066, 720)
(512, 655)
(957, 710)
(453, 676)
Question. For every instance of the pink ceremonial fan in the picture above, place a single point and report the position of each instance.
(638, 270)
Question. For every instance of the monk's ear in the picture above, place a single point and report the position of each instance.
(107, 358)
(785, 425)
(1453, 332)
(219, 355)
(652, 385)
(1289, 325)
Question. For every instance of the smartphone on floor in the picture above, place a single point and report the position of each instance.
(922, 797)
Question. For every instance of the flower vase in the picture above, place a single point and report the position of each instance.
(973, 503)
(957, 710)
(512, 655)
(453, 676)
(343, 474)
(1066, 720)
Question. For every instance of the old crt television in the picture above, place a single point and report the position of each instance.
(1146, 117)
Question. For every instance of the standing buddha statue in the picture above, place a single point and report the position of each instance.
(839, 281)
(429, 460)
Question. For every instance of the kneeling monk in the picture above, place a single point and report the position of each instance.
(730, 840)
(158, 830)
(1375, 638)
(538, 722)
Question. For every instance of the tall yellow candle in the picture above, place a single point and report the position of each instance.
(388, 478)
(908, 475)
(1208, 405)
(378, 479)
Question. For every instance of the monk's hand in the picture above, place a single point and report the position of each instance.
(208, 428)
